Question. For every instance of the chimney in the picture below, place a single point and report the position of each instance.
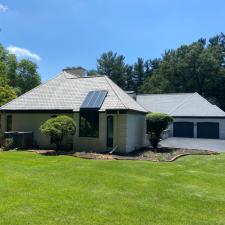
(78, 71)
(132, 94)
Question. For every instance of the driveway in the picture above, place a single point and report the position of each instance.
(217, 145)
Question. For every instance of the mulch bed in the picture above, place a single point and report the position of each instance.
(161, 155)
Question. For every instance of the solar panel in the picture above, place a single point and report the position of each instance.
(94, 99)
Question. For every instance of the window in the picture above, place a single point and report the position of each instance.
(9, 123)
(89, 123)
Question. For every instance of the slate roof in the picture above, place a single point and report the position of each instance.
(67, 92)
(180, 105)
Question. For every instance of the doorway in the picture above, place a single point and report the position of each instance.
(110, 131)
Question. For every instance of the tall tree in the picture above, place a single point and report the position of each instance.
(28, 76)
(139, 73)
(198, 67)
(130, 81)
(113, 66)
(7, 94)
(11, 70)
(3, 74)
(150, 66)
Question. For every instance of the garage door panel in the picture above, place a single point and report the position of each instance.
(183, 129)
(208, 130)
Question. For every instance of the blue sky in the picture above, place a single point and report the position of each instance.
(57, 34)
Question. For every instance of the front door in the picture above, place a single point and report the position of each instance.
(110, 131)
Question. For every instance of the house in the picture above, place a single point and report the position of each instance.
(193, 115)
(106, 117)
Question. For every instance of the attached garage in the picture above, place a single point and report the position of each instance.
(194, 116)
(183, 129)
(208, 130)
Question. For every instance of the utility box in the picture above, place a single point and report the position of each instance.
(25, 140)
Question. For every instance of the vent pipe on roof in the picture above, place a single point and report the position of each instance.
(78, 71)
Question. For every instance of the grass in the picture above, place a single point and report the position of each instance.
(60, 190)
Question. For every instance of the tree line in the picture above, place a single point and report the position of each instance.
(196, 67)
(16, 76)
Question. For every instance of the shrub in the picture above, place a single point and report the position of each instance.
(7, 144)
(1, 137)
(156, 123)
(59, 127)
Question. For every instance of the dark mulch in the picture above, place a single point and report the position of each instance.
(159, 155)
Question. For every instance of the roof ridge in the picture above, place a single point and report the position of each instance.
(183, 93)
(182, 103)
(40, 85)
(74, 76)
(107, 79)
(124, 92)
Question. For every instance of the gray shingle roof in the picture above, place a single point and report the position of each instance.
(67, 92)
(180, 105)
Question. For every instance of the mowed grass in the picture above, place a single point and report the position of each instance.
(60, 190)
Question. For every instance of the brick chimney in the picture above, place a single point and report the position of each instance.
(78, 71)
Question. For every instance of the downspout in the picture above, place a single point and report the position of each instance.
(117, 134)
(77, 129)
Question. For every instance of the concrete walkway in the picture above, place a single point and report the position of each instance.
(217, 145)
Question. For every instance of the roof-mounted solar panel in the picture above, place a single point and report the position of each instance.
(94, 100)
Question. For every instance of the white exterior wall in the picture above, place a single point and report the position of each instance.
(197, 120)
(33, 121)
(91, 144)
(99, 144)
(136, 129)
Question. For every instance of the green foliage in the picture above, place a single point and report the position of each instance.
(59, 127)
(139, 73)
(113, 66)
(7, 94)
(3, 74)
(198, 67)
(7, 144)
(11, 68)
(1, 135)
(128, 77)
(92, 72)
(28, 77)
(16, 76)
(156, 123)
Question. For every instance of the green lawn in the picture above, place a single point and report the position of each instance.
(59, 190)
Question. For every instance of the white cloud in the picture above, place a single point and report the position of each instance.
(3, 8)
(23, 52)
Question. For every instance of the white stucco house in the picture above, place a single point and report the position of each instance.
(194, 116)
(106, 117)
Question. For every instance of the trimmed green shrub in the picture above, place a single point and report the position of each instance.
(1, 136)
(156, 123)
(59, 127)
(7, 144)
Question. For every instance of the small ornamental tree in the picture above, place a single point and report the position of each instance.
(156, 123)
(59, 127)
